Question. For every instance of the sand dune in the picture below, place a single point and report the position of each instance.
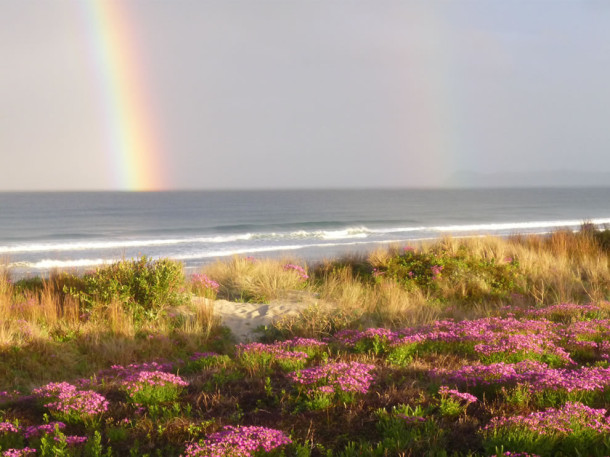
(244, 318)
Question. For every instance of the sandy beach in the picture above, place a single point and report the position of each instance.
(244, 318)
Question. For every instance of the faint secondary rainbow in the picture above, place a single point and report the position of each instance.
(432, 137)
(134, 152)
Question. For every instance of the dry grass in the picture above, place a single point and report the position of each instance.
(560, 268)
(46, 335)
(245, 279)
(563, 267)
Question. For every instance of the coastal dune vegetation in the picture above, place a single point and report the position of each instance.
(477, 346)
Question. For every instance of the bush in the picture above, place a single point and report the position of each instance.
(452, 275)
(142, 285)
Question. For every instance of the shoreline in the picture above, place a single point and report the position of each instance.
(320, 254)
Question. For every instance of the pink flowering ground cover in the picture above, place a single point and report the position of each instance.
(69, 404)
(453, 402)
(544, 384)
(340, 379)
(204, 285)
(490, 340)
(152, 387)
(573, 429)
(260, 357)
(21, 452)
(533, 385)
(310, 346)
(204, 360)
(238, 441)
(299, 270)
(118, 373)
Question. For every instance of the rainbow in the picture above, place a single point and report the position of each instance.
(132, 142)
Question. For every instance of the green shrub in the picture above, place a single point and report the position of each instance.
(437, 272)
(142, 285)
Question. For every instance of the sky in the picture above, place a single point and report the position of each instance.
(238, 94)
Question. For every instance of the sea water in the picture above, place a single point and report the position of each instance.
(44, 231)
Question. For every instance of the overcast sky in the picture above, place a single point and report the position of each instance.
(306, 93)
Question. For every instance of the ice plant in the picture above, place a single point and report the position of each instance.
(119, 372)
(546, 383)
(309, 346)
(73, 440)
(238, 441)
(6, 395)
(456, 395)
(8, 427)
(69, 404)
(34, 431)
(260, 357)
(342, 380)
(436, 271)
(574, 429)
(375, 340)
(10, 435)
(23, 452)
(152, 387)
(453, 402)
(297, 269)
(205, 286)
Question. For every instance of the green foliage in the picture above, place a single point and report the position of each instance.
(377, 345)
(10, 440)
(150, 395)
(402, 429)
(519, 395)
(437, 270)
(402, 355)
(449, 407)
(143, 286)
(317, 401)
(256, 362)
(222, 378)
(581, 442)
(552, 360)
(204, 363)
(94, 445)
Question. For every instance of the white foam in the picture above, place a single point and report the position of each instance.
(118, 244)
(516, 225)
(49, 264)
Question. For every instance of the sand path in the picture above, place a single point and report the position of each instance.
(243, 318)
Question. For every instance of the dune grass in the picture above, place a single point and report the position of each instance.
(408, 285)
(52, 327)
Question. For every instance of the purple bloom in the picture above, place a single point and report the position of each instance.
(298, 269)
(26, 451)
(8, 427)
(571, 418)
(345, 377)
(34, 431)
(457, 395)
(238, 441)
(203, 282)
(70, 402)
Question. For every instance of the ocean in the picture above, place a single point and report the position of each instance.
(44, 231)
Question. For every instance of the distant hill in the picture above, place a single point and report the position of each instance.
(550, 178)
